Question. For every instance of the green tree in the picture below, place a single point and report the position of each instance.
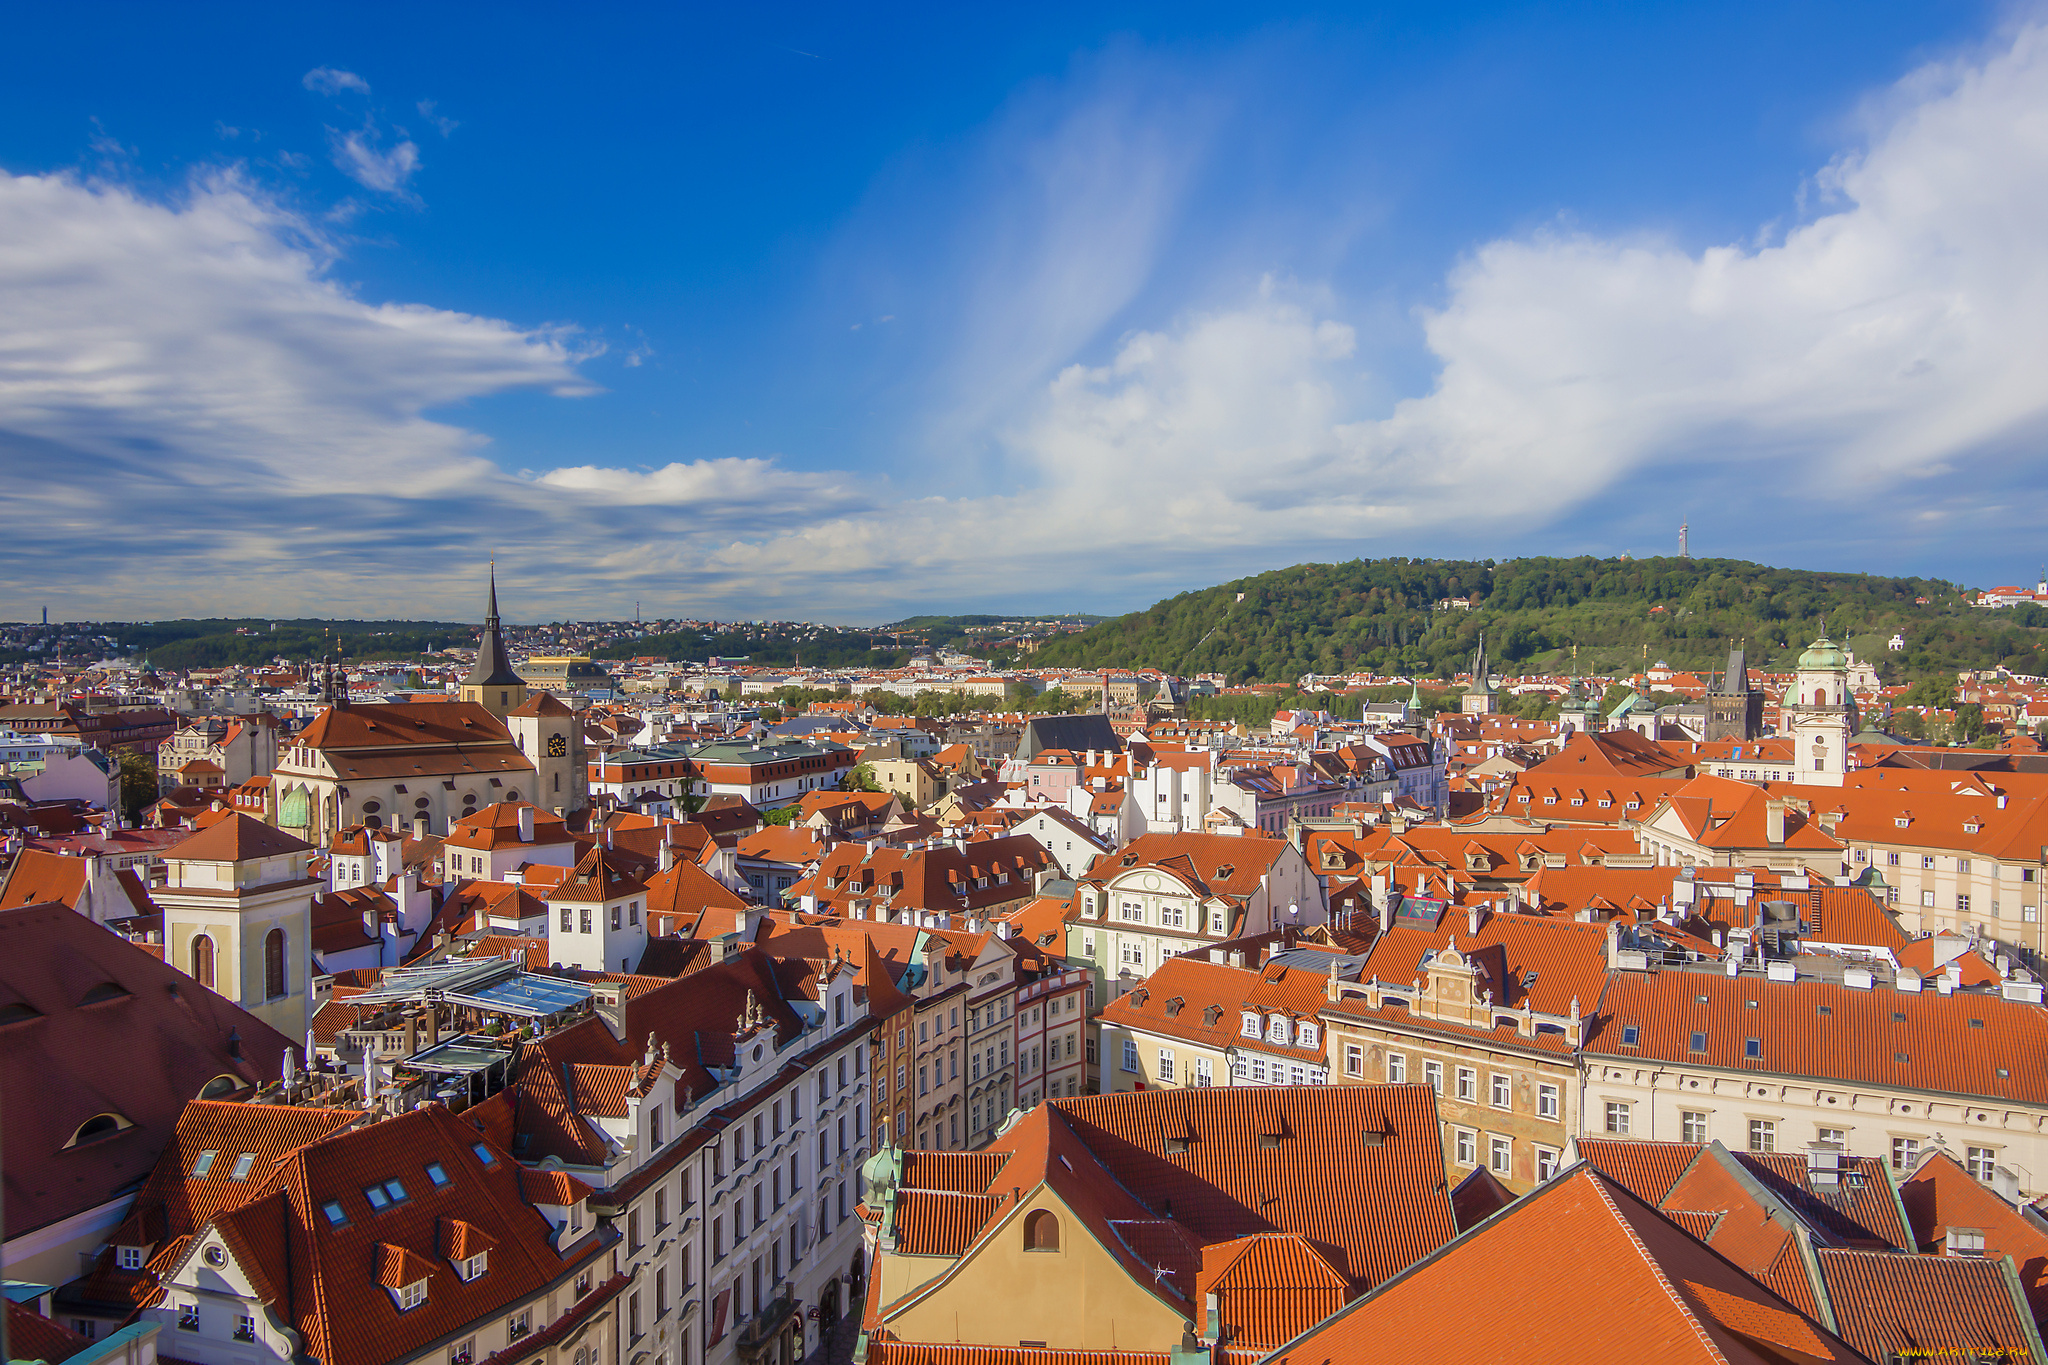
(138, 782)
(861, 778)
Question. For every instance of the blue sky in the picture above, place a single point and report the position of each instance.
(843, 315)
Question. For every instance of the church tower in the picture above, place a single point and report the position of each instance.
(1479, 699)
(550, 735)
(492, 684)
(1819, 715)
(1735, 710)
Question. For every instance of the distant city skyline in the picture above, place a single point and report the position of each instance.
(839, 321)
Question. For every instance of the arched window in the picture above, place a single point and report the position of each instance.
(221, 1086)
(1820, 696)
(1041, 1231)
(274, 983)
(202, 959)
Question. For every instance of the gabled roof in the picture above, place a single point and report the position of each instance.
(329, 1282)
(1941, 1195)
(597, 876)
(1493, 1295)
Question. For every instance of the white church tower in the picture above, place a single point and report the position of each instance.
(1819, 715)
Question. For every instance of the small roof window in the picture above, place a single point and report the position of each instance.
(483, 1154)
(243, 1165)
(204, 1164)
(437, 1174)
(335, 1217)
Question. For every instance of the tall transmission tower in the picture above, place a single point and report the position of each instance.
(1684, 540)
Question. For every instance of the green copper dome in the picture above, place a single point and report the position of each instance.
(1823, 654)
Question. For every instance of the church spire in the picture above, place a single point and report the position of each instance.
(493, 668)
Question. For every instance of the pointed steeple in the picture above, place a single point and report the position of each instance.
(493, 668)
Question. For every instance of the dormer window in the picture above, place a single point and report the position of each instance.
(1304, 1035)
(475, 1265)
(128, 1258)
(1276, 1029)
(1253, 1025)
(412, 1295)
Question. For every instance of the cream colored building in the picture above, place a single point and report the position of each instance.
(238, 917)
(1880, 1065)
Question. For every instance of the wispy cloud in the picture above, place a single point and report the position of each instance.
(199, 356)
(362, 157)
(327, 80)
(443, 126)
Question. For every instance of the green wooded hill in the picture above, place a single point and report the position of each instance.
(1383, 615)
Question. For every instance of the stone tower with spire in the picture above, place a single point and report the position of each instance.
(1480, 699)
(492, 684)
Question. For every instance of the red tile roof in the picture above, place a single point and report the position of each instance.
(1493, 1294)
(1921, 1040)
(328, 1281)
(237, 838)
(1941, 1195)
(1936, 1307)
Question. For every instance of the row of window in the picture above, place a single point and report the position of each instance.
(1278, 1028)
(1500, 1086)
(1763, 1137)
(1500, 1153)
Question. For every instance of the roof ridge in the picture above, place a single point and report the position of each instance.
(1599, 1183)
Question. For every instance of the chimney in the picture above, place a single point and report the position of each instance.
(419, 827)
(526, 824)
(667, 857)
(1774, 822)
(1474, 917)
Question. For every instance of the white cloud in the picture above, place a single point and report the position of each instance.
(444, 126)
(192, 413)
(327, 80)
(360, 156)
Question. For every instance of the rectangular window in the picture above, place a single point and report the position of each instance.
(1546, 1101)
(1981, 1161)
(1833, 1135)
(1964, 1242)
(245, 1328)
(1130, 1055)
(1503, 1092)
(1252, 1025)
(188, 1317)
(1963, 905)
(1354, 1060)
(1763, 1135)
(1397, 1067)
(1692, 1126)
(1468, 1084)
(1433, 1076)
(1499, 1155)
(463, 1353)
(1905, 1153)
(1165, 1064)
(1617, 1117)
(1546, 1163)
(1466, 1146)
(1205, 1074)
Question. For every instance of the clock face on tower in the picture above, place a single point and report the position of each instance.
(558, 746)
